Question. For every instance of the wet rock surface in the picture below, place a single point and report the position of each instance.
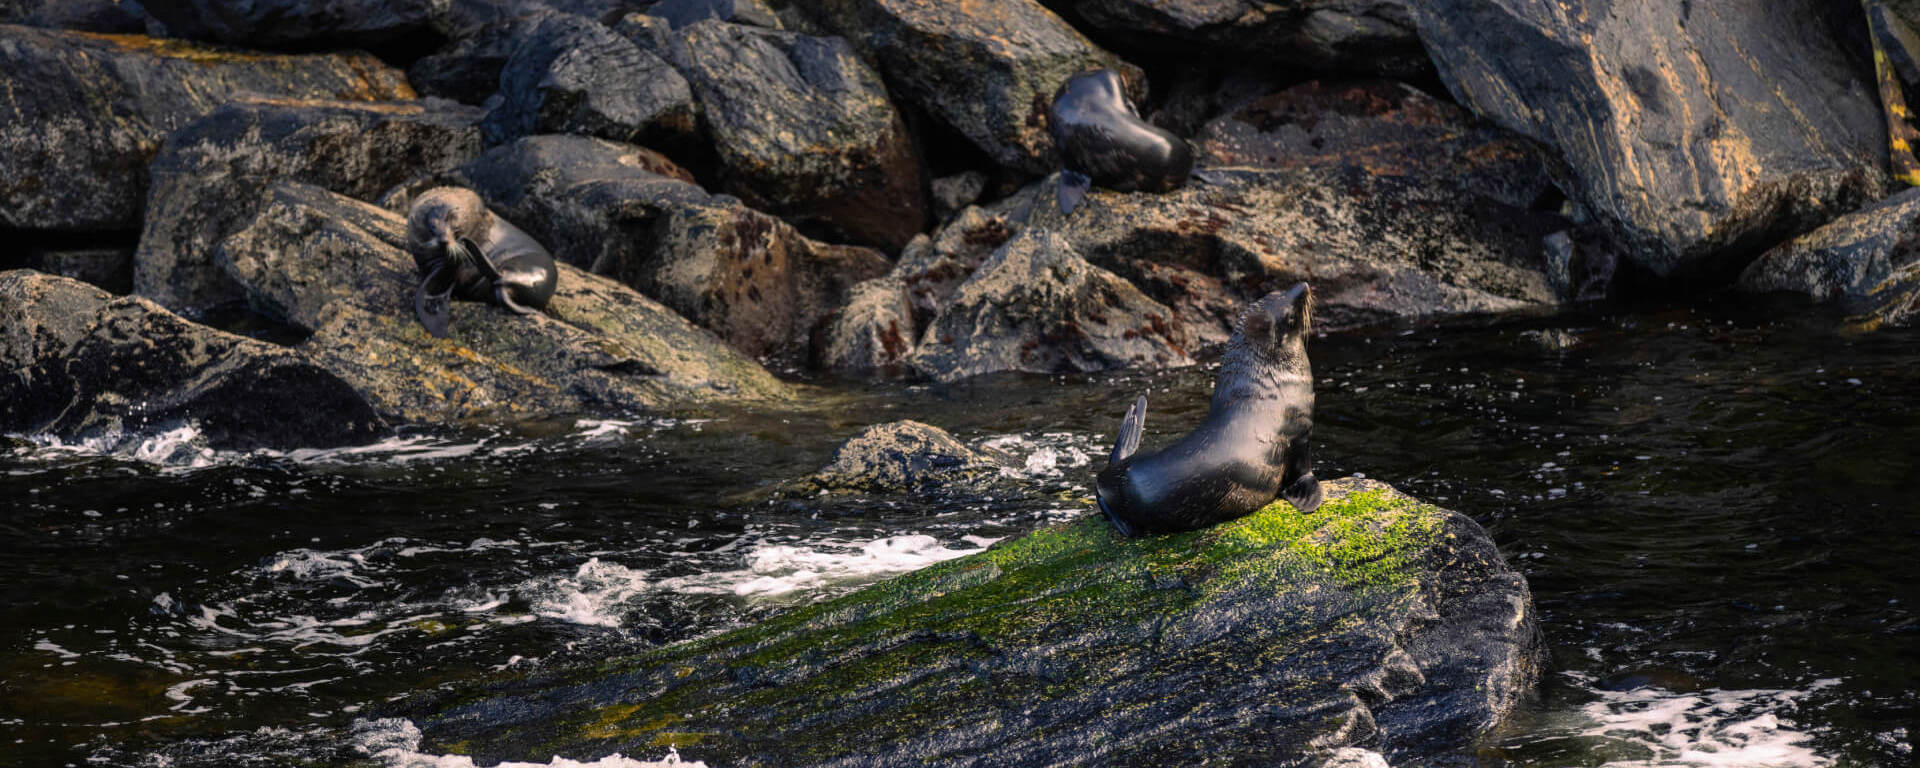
(1037, 306)
(902, 457)
(208, 177)
(1701, 132)
(803, 130)
(88, 111)
(986, 70)
(609, 209)
(83, 363)
(1280, 638)
(571, 74)
(1866, 263)
(1371, 36)
(337, 268)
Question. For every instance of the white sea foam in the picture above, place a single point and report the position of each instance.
(1043, 456)
(1706, 729)
(178, 448)
(396, 742)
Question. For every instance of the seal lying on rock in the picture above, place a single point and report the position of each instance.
(1251, 448)
(460, 246)
(1102, 140)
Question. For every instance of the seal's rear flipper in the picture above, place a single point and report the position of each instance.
(431, 301)
(1130, 428)
(1073, 188)
(1304, 494)
(1118, 524)
(505, 297)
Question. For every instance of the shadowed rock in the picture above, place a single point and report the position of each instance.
(571, 74)
(1275, 639)
(984, 69)
(111, 16)
(1866, 263)
(1036, 306)
(338, 268)
(208, 176)
(802, 129)
(86, 112)
(305, 23)
(1369, 36)
(1703, 132)
(607, 208)
(80, 362)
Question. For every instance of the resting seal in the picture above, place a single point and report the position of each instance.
(1102, 140)
(1251, 449)
(459, 246)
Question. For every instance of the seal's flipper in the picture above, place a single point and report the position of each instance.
(1118, 524)
(1297, 484)
(505, 297)
(1073, 189)
(432, 300)
(1130, 429)
(479, 260)
(1304, 494)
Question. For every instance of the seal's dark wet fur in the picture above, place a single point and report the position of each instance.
(1251, 449)
(460, 248)
(1102, 140)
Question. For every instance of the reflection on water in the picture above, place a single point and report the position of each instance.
(1713, 510)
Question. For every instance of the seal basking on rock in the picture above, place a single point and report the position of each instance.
(461, 247)
(1251, 449)
(1102, 140)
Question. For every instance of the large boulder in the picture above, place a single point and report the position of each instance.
(1036, 306)
(1392, 204)
(985, 69)
(87, 112)
(82, 363)
(872, 334)
(878, 328)
(210, 176)
(1376, 622)
(571, 74)
(1866, 263)
(803, 130)
(337, 268)
(1370, 36)
(1701, 131)
(621, 211)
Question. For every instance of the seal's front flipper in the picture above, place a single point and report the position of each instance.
(1130, 428)
(1304, 494)
(1073, 189)
(505, 297)
(478, 258)
(432, 300)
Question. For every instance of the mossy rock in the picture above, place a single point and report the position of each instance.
(1377, 621)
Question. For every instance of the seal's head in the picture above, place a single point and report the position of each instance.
(1275, 327)
(441, 218)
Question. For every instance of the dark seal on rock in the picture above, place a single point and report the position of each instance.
(1251, 449)
(1102, 140)
(461, 247)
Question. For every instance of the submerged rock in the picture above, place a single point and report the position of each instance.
(80, 363)
(1036, 306)
(88, 111)
(1702, 131)
(900, 457)
(338, 268)
(1373, 36)
(616, 210)
(986, 70)
(571, 74)
(1866, 263)
(803, 130)
(1378, 621)
(208, 176)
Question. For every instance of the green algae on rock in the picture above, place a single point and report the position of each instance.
(1378, 621)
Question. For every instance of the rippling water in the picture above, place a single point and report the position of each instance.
(1715, 509)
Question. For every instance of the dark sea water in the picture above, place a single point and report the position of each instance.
(1716, 510)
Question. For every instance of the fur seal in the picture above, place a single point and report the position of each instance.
(460, 247)
(1102, 140)
(1252, 447)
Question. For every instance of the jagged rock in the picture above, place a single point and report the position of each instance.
(607, 208)
(1369, 36)
(932, 269)
(951, 194)
(208, 177)
(305, 23)
(986, 70)
(338, 268)
(1701, 131)
(803, 130)
(1866, 262)
(82, 363)
(681, 13)
(901, 457)
(1036, 306)
(571, 74)
(1276, 639)
(873, 333)
(1391, 204)
(87, 112)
